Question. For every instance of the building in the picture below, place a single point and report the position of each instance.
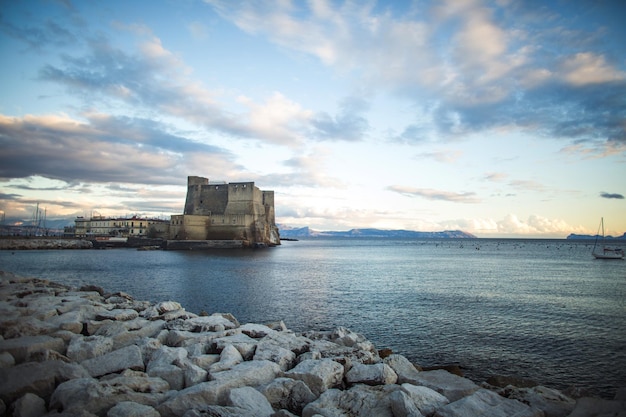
(220, 211)
(100, 226)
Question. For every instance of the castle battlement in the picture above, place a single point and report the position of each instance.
(226, 211)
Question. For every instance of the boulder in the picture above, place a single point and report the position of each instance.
(287, 393)
(20, 348)
(255, 331)
(29, 405)
(249, 400)
(116, 361)
(132, 409)
(406, 371)
(290, 341)
(229, 357)
(487, 403)
(376, 374)
(319, 375)
(118, 314)
(592, 407)
(196, 397)
(451, 386)
(39, 378)
(552, 402)
(402, 405)
(83, 348)
(98, 397)
(272, 352)
(425, 399)
(251, 373)
(360, 400)
(244, 344)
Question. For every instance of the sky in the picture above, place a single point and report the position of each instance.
(499, 118)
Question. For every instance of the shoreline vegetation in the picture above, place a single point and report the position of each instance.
(85, 352)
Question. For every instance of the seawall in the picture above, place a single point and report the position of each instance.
(43, 243)
(87, 352)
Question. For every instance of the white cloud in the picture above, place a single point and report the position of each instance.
(588, 68)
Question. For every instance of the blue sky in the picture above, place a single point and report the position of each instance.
(502, 118)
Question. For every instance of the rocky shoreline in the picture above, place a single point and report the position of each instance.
(44, 243)
(84, 352)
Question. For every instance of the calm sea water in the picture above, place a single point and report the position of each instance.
(540, 309)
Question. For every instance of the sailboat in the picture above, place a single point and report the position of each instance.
(605, 252)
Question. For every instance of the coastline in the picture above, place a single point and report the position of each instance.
(60, 345)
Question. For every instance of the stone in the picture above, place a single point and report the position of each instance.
(83, 348)
(249, 400)
(451, 386)
(272, 352)
(319, 375)
(229, 357)
(360, 400)
(39, 378)
(244, 344)
(116, 361)
(131, 409)
(486, 403)
(255, 331)
(376, 374)
(118, 315)
(406, 371)
(402, 405)
(425, 399)
(552, 402)
(290, 341)
(598, 407)
(196, 397)
(29, 405)
(98, 397)
(251, 373)
(20, 348)
(213, 323)
(193, 374)
(205, 361)
(287, 393)
(6, 360)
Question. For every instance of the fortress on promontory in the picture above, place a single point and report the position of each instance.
(236, 211)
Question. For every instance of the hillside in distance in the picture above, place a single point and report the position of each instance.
(289, 232)
(575, 236)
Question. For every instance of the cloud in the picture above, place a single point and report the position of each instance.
(536, 225)
(39, 36)
(103, 149)
(611, 195)
(349, 124)
(431, 194)
(468, 66)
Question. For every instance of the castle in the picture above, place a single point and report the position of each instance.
(237, 211)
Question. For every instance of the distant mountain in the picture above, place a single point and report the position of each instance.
(288, 232)
(575, 236)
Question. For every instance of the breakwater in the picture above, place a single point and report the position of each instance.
(43, 243)
(90, 353)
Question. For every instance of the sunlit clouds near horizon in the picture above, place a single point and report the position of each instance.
(498, 118)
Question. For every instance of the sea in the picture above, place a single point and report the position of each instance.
(544, 310)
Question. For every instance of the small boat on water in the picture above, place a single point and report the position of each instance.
(605, 252)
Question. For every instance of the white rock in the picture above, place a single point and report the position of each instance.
(249, 400)
(255, 331)
(20, 348)
(118, 315)
(132, 409)
(552, 402)
(229, 357)
(319, 375)
(406, 371)
(29, 405)
(196, 397)
(83, 348)
(289, 394)
(376, 374)
(360, 400)
(244, 344)
(116, 361)
(587, 406)
(425, 399)
(487, 403)
(402, 405)
(451, 386)
(272, 352)
(251, 373)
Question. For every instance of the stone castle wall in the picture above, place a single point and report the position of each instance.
(234, 211)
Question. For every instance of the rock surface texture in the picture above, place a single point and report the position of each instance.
(81, 352)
